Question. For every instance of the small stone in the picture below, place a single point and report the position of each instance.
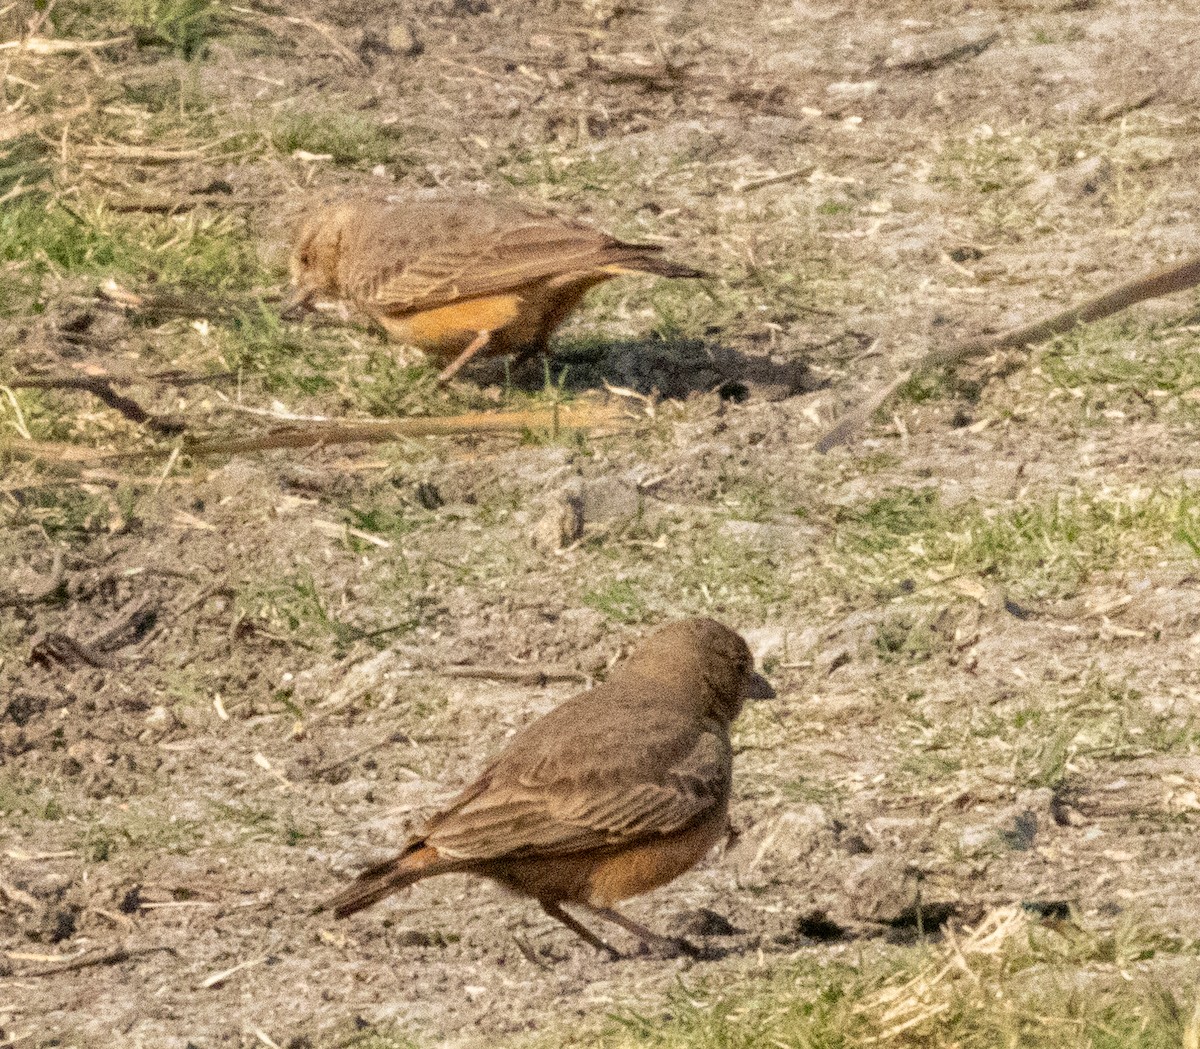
(881, 889)
(561, 524)
(774, 848)
(417, 938)
(703, 922)
(403, 40)
(610, 499)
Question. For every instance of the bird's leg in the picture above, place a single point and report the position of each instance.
(539, 347)
(579, 929)
(452, 369)
(669, 944)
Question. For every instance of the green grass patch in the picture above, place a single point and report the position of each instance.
(346, 137)
(1118, 371)
(1044, 732)
(63, 510)
(182, 26)
(136, 831)
(1041, 548)
(199, 250)
(30, 799)
(1016, 983)
(185, 26)
(294, 607)
(619, 600)
(994, 166)
(702, 572)
(279, 357)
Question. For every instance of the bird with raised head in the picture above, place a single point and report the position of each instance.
(615, 792)
(459, 275)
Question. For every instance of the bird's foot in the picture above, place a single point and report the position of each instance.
(668, 947)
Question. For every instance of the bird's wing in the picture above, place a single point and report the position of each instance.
(508, 257)
(512, 812)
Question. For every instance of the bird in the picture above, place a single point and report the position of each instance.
(459, 275)
(615, 792)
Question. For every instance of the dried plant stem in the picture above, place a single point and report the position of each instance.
(380, 430)
(1164, 281)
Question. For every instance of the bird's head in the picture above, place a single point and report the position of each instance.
(315, 258)
(705, 656)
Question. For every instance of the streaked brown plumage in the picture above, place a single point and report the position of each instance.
(615, 792)
(460, 275)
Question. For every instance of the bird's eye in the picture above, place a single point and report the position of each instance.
(304, 260)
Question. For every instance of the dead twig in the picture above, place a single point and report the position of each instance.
(218, 978)
(103, 389)
(527, 950)
(374, 431)
(362, 752)
(15, 895)
(928, 62)
(661, 76)
(55, 646)
(538, 676)
(1164, 281)
(746, 185)
(188, 304)
(113, 957)
(134, 617)
(40, 45)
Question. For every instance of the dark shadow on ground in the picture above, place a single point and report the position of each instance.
(674, 368)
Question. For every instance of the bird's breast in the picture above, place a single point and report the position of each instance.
(449, 329)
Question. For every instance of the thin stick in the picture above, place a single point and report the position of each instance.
(1164, 281)
(37, 45)
(519, 675)
(103, 389)
(216, 979)
(362, 752)
(114, 957)
(374, 431)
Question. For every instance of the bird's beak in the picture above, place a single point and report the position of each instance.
(757, 686)
(296, 304)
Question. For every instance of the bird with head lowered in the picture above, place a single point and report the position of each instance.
(459, 275)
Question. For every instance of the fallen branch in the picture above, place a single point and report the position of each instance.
(1164, 281)
(63, 454)
(133, 619)
(103, 389)
(114, 957)
(375, 431)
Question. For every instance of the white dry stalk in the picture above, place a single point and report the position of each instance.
(20, 426)
(218, 978)
(38, 45)
(904, 1006)
(1191, 1033)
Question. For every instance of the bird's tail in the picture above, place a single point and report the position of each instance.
(646, 258)
(375, 883)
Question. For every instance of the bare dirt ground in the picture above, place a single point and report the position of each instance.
(983, 620)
